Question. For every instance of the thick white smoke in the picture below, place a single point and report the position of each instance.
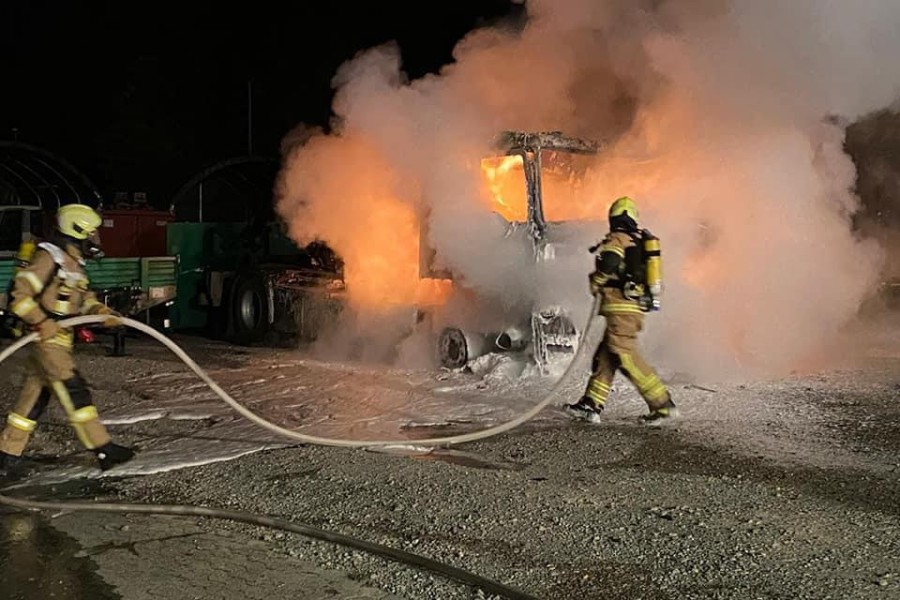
(721, 119)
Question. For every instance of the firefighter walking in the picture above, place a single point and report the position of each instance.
(627, 276)
(52, 287)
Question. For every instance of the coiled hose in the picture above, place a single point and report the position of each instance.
(266, 521)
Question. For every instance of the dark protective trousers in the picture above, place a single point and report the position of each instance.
(619, 352)
(51, 371)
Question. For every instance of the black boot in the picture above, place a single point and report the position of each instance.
(664, 413)
(11, 467)
(586, 409)
(109, 455)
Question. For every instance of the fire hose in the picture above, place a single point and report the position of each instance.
(302, 437)
(184, 510)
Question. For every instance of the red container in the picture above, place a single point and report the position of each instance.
(134, 233)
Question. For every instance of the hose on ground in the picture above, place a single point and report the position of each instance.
(311, 439)
(416, 560)
(265, 521)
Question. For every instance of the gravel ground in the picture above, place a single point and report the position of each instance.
(783, 489)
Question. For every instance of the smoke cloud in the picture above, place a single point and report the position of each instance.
(723, 119)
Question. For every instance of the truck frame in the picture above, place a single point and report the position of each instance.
(550, 333)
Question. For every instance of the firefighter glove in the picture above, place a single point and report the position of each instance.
(596, 282)
(113, 320)
(48, 329)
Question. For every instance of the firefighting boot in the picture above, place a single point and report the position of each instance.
(586, 410)
(11, 467)
(109, 455)
(666, 412)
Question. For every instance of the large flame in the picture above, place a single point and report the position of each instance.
(372, 228)
(384, 269)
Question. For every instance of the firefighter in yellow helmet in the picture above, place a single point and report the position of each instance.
(52, 287)
(627, 276)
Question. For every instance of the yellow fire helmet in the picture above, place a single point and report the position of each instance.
(77, 221)
(624, 206)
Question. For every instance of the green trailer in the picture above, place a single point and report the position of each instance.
(133, 286)
(136, 286)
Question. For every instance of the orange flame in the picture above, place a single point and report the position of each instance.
(384, 268)
(433, 292)
(505, 179)
(362, 219)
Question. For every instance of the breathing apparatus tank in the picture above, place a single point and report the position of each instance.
(10, 324)
(652, 269)
(25, 253)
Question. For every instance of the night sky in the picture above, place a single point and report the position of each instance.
(141, 96)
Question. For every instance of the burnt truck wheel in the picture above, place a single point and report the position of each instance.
(457, 347)
(249, 309)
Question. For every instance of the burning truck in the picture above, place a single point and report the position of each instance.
(400, 292)
(533, 173)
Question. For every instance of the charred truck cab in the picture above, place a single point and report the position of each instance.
(549, 333)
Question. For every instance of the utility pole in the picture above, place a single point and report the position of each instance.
(250, 117)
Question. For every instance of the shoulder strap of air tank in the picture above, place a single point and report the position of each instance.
(58, 254)
(637, 236)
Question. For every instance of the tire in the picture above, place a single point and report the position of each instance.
(249, 309)
(456, 347)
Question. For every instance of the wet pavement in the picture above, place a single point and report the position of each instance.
(104, 556)
(38, 562)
